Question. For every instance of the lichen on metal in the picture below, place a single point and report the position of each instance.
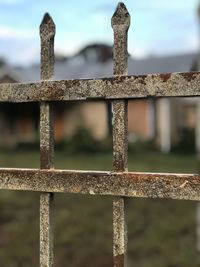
(118, 183)
(127, 184)
(47, 33)
(120, 136)
(119, 244)
(46, 231)
(46, 136)
(120, 24)
(118, 87)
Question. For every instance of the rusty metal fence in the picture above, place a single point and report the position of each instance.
(118, 183)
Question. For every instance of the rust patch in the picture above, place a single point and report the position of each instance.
(165, 77)
(189, 76)
(151, 185)
(119, 260)
(118, 87)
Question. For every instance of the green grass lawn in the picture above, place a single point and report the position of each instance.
(161, 232)
(150, 162)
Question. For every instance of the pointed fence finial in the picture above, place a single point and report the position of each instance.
(47, 26)
(120, 24)
(121, 17)
(47, 33)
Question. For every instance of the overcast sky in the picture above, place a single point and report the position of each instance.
(158, 27)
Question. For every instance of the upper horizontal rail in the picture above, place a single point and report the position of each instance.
(161, 85)
(129, 184)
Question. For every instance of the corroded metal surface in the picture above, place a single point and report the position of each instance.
(129, 184)
(119, 87)
(120, 135)
(47, 33)
(46, 233)
(120, 160)
(120, 24)
(120, 231)
(119, 183)
(46, 136)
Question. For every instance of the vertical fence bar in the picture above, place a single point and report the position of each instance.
(197, 145)
(120, 25)
(47, 33)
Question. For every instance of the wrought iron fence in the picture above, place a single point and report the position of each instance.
(118, 182)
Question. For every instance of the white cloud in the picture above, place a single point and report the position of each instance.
(20, 52)
(190, 43)
(100, 19)
(7, 32)
(24, 41)
(139, 51)
(30, 54)
(72, 47)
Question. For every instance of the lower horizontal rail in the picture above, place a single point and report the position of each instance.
(129, 184)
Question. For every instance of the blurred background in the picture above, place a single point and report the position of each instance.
(164, 134)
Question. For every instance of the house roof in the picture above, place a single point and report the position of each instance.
(72, 69)
(177, 63)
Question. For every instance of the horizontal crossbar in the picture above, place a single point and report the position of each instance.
(160, 85)
(129, 184)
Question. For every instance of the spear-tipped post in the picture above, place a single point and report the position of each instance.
(120, 23)
(47, 33)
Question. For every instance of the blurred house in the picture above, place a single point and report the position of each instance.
(165, 120)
